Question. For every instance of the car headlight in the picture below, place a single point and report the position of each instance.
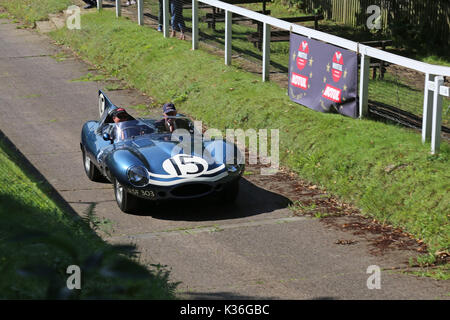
(138, 176)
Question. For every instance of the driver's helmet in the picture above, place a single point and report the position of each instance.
(122, 114)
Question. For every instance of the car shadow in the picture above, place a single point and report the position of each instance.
(252, 200)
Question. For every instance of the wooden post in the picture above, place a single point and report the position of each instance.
(99, 5)
(118, 8)
(437, 115)
(140, 7)
(228, 24)
(194, 24)
(266, 52)
(427, 109)
(166, 18)
(364, 86)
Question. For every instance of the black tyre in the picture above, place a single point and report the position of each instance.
(230, 192)
(126, 201)
(91, 170)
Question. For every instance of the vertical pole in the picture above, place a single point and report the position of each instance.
(118, 8)
(364, 86)
(266, 52)
(140, 7)
(99, 5)
(166, 18)
(194, 24)
(437, 116)
(427, 109)
(228, 23)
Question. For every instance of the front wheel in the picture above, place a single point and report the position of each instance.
(91, 170)
(126, 201)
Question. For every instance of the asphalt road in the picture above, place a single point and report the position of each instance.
(257, 248)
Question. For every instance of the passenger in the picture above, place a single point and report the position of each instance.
(167, 124)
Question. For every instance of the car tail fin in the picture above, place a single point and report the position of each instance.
(104, 104)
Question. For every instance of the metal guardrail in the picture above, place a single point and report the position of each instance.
(434, 80)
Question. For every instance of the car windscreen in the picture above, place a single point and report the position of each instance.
(131, 129)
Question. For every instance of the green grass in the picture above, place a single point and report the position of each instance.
(39, 240)
(345, 156)
(30, 11)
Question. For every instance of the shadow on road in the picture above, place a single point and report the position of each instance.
(252, 200)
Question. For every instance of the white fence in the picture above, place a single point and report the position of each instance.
(433, 82)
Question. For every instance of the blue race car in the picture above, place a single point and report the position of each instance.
(144, 160)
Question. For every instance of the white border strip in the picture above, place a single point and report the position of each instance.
(185, 180)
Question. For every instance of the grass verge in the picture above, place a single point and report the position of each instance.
(30, 11)
(40, 240)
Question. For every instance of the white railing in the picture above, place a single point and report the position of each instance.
(434, 80)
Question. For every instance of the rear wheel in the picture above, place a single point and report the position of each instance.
(91, 170)
(126, 201)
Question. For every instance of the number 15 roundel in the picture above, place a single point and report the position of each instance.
(185, 166)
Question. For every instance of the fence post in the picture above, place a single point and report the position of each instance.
(99, 5)
(266, 52)
(427, 109)
(228, 22)
(364, 86)
(118, 8)
(166, 18)
(140, 8)
(437, 115)
(194, 24)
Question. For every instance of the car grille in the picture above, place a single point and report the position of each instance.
(191, 190)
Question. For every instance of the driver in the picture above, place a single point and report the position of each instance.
(122, 132)
(120, 115)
